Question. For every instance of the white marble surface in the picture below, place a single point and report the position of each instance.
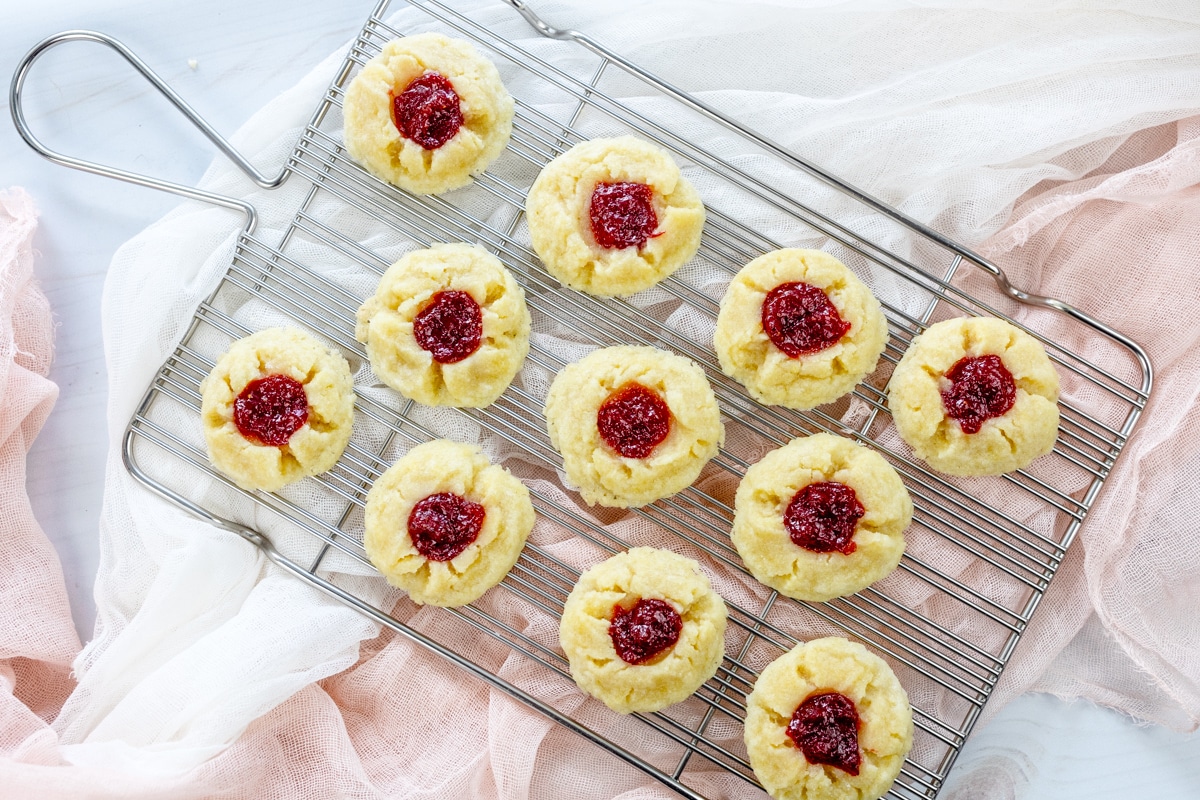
(245, 54)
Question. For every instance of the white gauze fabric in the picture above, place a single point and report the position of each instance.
(950, 114)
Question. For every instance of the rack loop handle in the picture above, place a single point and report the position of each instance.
(18, 115)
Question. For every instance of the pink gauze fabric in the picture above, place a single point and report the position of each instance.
(1120, 240)
(37, 640)
(1123, 243)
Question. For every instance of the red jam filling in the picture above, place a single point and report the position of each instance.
(640, 633)
(822, 517)
(622, 214)
(443, 525)
(799, 319)
(428, 111)
(269, 410)
(825, 728)
(981, 387)
(634, 420)
(450, 327)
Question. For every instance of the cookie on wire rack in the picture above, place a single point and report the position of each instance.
(427, 114)
(821, 517)
(643, 630)
(447, 326)
(976, 396)
(798, 329)
(828, 721)
(445, 524)
(277, 407)
(613, 216)
(633, 424)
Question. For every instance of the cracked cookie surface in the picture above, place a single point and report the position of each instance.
(1002, 443)
(643, 573)
(769, 488)
(434, 470)
(562, 200)
(884, 731)
(375, 140)
(310, 448)
(389, 325)
(579, 397)
(749, 355)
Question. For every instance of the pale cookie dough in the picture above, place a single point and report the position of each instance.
(749, 356)
(602, 475)
(1005, 443)
(672, 676)
(373, 140)
(763, 541)
(385, 326)
(316, 446)
(560, 225)
(828, 665)
(433, 468)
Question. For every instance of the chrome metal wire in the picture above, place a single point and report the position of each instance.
(956, 654)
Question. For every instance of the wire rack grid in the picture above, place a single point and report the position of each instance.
(947, 625)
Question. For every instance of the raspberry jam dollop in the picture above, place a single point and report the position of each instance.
(443, 525)
(642, 632)
(622, 214)
(450, 328)
(269, 410)
(634, 420)
(822, 517)
(981, 387)
(799, 319)
(825, 728)
(428, 111)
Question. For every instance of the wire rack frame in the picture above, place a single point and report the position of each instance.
(959, 663)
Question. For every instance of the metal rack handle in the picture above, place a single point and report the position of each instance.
(998, 274)
(18, 115)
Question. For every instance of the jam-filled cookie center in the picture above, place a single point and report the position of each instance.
(825, 728)
(443, 525)
(450, 328)
(981, 388)
(428, 111)
(822, 517)
(622, 214)
(800, 319)
(634, 420)
(645, 630)
(269, 410)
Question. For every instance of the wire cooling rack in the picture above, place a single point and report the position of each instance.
(947, 624)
